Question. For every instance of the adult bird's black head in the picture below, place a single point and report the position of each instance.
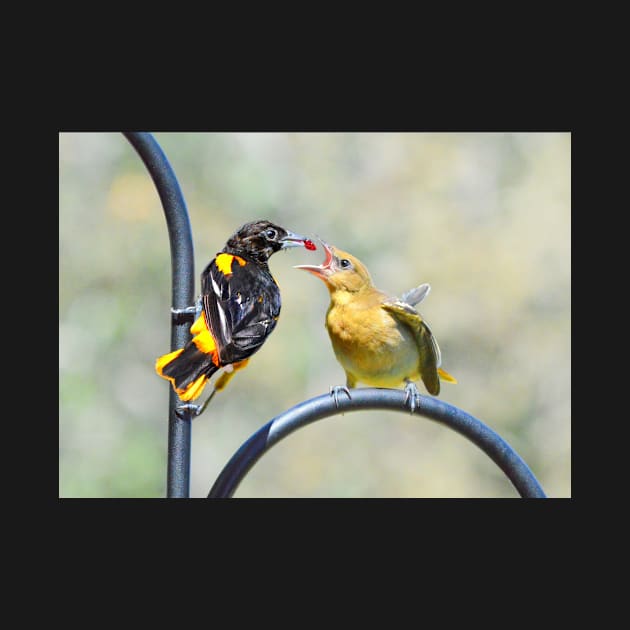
(258, 240)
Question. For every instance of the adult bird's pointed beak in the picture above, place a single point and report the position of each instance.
(296, 240)
(325, 269)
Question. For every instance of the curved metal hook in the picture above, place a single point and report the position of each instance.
(375, 398)
(182, 289)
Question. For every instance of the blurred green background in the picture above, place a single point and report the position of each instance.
(485, 218)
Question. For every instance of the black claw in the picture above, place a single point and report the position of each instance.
(334, 392)
(195, 410)
(184, 314)
(188, 313)
(181, 410)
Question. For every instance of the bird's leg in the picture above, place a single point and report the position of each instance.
(189, 312)
(195, 410)
(335, 390)
(228, 374)
(221, 382)
(412, 395)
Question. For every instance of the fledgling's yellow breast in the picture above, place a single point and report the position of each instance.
(368, 342)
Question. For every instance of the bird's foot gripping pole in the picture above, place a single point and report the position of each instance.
(412, 396)
(221, 382)
(335, 390)
(195, 410)
(187, 313)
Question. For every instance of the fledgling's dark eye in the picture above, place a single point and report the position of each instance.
(345, 263)
(271, 234)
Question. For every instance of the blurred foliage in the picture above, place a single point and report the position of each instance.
(485, 218)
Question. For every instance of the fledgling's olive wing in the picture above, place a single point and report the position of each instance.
(416, 295)
(428, 349)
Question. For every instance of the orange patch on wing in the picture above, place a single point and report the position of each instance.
(199, 325)
(203, 339)
(224, 263)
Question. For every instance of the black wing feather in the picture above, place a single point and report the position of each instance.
(241, 308)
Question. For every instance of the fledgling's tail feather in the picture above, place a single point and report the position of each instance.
(445, 376)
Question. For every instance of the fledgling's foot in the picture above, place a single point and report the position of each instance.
(412, 396)
(335, 390)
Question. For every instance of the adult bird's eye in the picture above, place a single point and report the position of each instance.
(271, 233)
(345, 263)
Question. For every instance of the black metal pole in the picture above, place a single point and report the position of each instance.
(373, 398)
(182, 287)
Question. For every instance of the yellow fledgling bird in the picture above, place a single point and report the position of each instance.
(378, 339)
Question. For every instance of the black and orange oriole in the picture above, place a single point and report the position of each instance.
(378, 339)
(236, 312)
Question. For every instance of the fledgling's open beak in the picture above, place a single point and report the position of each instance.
(326, 268)
(295, 240)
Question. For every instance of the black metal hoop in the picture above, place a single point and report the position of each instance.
(374, 398)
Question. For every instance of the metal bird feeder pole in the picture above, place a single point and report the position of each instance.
(183, 286)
